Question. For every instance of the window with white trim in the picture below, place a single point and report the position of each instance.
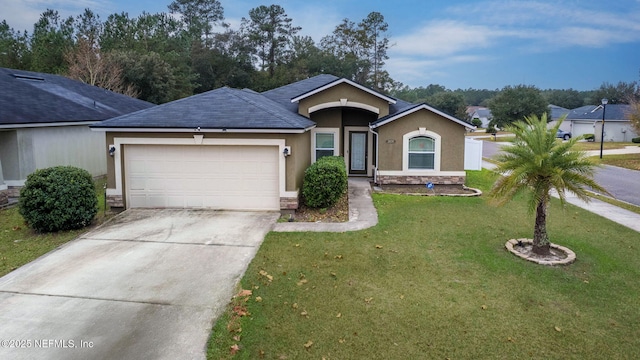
(325, 145)
(324, 142)
(422, 153)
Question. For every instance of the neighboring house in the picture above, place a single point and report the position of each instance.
(481, 113)
(44, 122)
(588, 120)
(555, 113)
(239, 149)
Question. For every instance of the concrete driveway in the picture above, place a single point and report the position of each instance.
(146, 285)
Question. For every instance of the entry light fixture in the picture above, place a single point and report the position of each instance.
(112, 150)
(287, 151)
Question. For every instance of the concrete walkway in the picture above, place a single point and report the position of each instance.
(362, 213)
(616, 214)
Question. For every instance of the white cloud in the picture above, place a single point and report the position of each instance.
(441, 38)
(25, 13)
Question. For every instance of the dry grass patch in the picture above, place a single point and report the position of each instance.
(628, 161)
(587, 145)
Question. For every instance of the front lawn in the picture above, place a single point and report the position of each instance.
(629, 161)
(432, 281)
(20, 245)
(587, 145)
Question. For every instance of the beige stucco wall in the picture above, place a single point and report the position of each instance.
(296, 163)
(343, 91)
(391, 142)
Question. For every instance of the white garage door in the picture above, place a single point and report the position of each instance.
(217, 177)
(581, 128)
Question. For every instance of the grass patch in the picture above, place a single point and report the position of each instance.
(587, 146)
(20, 245)
(628, 161)
(433, 280)
(620, 204)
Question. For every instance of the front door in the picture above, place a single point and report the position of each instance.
(358, 152)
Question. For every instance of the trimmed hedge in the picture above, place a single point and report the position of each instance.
(325, 181)
(58, 198)
(589, 137)
(636, 140)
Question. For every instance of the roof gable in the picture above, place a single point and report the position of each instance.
(37, 99)
(342, 81)
(387, 119)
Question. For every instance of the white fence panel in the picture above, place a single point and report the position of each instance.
(472, 154)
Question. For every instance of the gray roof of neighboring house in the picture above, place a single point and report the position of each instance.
(613, 112)
(30, 98)
(557, 111)
(484, 113)
(223, 108)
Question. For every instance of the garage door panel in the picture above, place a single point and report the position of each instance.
(223, 177)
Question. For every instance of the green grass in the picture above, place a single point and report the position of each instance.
(587, 145)
(620, 204)
(20, 245)
(432, 281)
(628, 161)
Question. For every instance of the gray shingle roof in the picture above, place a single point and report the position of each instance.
(227, 108)
(223, 108)
(557, 111)
(28, 98)
(284, 94)
(619, 112)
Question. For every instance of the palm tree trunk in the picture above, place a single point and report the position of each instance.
(540, 237)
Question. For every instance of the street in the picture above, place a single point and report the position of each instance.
(623, 184)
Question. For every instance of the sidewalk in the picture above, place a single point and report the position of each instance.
(362, 213)
(621, 216)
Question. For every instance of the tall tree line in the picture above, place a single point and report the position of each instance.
(191, 49)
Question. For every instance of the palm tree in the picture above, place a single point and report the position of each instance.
(537, 163)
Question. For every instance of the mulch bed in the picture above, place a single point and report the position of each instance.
(440, 190)
(337, 213)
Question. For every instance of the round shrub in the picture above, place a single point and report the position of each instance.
(476, 122)
(58, 198)
(325, 181)
(636, 140)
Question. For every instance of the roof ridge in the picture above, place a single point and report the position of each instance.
(265, 108)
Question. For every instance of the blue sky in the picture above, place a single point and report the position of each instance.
(563, 44)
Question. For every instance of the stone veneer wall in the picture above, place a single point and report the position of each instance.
(115, 201)
(288, 203)
(420, 180)
(4, 197)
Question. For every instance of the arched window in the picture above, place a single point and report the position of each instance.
(422, 153)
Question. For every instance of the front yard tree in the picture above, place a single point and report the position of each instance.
(538, 163)
(515, 103)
